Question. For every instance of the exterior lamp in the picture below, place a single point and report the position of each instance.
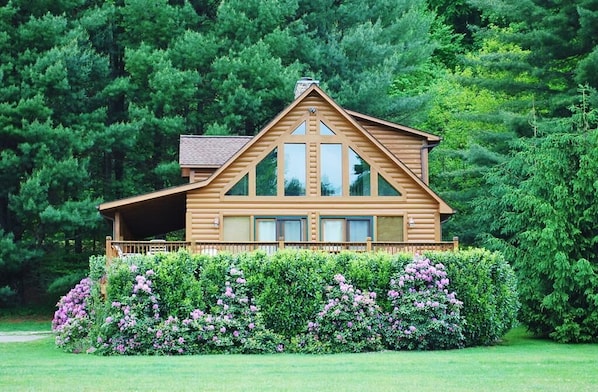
(411, 222)
(216, 222)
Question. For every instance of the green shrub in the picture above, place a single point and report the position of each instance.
(487, 286)
(348, 321)
(176, 303)
(424, 315)
(74, 318)
(371, 271)
(211, 277)
(177, 281)
(97, 267)
(234, 327)
(288, 288)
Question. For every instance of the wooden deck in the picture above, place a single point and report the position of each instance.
(130, 248)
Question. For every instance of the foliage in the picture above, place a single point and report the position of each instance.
(176, 280)
(235, 326)
(244, 302)
(288, 287)
(74, 318)
(487, 286)
(349, 321)
(131, 318)
(542, 215)
(425, 314)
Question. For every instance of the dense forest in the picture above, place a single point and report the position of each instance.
(95, 93)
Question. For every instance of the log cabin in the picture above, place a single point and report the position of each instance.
(317, 176)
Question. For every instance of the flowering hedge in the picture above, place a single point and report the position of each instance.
(349, 321)
(424, 315)
(254, 303)
(73, 319)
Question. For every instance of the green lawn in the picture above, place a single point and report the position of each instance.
(519, 364)
(25, 325)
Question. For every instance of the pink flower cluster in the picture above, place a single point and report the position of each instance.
(73, 305)
(72, 320)
(348, 321)
(425, 315)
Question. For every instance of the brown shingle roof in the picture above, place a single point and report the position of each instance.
(209, 151)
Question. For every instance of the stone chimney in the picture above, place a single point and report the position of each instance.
(303, 84)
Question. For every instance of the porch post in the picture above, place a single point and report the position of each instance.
(104, 279)
(368, 244)
(455, 244)
(108, 251)
(280, 243)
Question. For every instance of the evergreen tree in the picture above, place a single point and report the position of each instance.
(50, 106)
(559, 43)
(541, 213)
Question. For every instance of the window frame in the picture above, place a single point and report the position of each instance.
(279, 225)
(346, 229)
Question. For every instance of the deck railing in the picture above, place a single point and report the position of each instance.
(130, 248)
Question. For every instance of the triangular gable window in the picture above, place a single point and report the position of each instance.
(385, 189)
(241, 188)
(300, 130)
(324, 130)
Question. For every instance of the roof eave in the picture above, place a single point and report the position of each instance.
(429, 136)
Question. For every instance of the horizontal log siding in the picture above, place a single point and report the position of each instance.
(404, 146)
(206, 204)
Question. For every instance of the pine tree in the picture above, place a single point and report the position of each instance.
(541, 212)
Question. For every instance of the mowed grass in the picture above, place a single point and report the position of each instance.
(25, 325)
(521, 363)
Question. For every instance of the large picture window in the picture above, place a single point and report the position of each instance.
(331, 169)
(294, 169)
(342, 170)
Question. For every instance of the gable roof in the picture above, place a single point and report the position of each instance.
(108, 209)
(209, 151)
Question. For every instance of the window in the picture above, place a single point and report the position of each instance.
(354, 229)
(385, 189)
(266, 173)
(300, 130)
(359, 175)
(289, 228)
(241, 188)
(294, 169)
(389, 228)
(342, 170)
(265, 229)
(331, 169)
(236, 228)
(333, 230)
(324, 130)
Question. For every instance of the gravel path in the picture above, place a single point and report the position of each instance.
(11, 337)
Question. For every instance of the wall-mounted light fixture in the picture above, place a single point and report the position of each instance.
(411, 222)
(312, 110)
(216, 222)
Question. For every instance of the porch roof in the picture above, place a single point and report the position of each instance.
(151, 214)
